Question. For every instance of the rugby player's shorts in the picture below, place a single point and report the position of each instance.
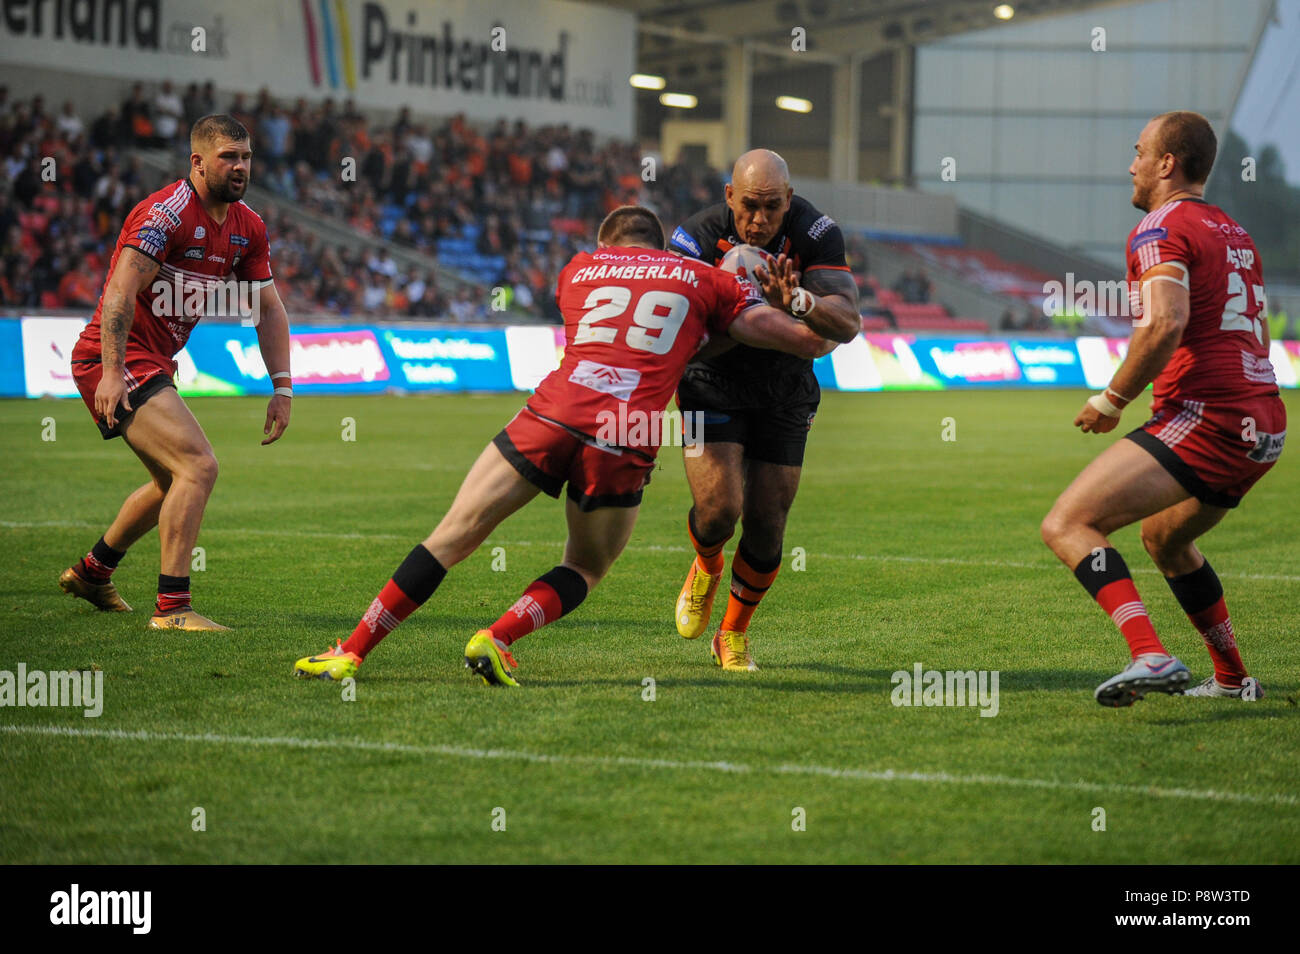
(145, 374)
(549, 454)
(1217, 453)
(770, 419)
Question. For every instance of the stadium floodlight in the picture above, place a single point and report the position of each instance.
(678, 100)
(794, 104)
(646, 81)
(1004, 11)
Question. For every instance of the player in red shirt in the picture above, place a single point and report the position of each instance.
(634, 315)
(193, 248)
(1217, 425)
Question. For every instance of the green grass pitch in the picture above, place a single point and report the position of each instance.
(915, 550)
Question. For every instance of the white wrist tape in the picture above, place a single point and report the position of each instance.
(1103, 404)
(276, 375)
(284, 392)
(803, 302)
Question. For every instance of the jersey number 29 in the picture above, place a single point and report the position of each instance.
(656, 311)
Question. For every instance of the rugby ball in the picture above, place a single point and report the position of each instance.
(743, 259)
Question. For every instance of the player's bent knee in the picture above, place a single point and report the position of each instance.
(202, 469)
(717, 519)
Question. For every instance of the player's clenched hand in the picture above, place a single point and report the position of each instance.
(1092, 421)
(110, 392)
(778, 282)
(277, 418)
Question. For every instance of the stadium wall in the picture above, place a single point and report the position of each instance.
(224, 359)
(553, 61)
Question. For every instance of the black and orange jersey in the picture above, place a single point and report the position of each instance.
(809, 238)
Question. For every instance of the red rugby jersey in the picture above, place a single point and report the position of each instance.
(194, 253)
(633, 318)
(1222, 357)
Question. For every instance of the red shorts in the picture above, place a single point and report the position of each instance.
(549, 454)
(145, 376)
(1217, 453)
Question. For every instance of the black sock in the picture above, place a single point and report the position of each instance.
(757, 564)
(106, 555)
(1096, 570)
(569, 586)
(1198, 590)
(419, 575)
(173, 584)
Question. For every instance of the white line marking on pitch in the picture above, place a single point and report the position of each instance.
(641, 548)
(623, 761)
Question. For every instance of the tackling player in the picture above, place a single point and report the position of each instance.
(179, 247)
(1217, 422)
(757, 405)
(634, 315)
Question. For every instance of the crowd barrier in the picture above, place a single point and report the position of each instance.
(223, 359)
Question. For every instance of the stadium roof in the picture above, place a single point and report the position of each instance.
(681, 39)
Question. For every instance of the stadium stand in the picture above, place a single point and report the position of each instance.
(501, 208)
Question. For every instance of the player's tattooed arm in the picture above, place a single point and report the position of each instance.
(133, 273)
(835, 314)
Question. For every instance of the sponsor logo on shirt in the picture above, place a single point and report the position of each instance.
(161, 211)
(682, 240)
(818, 228)
(1147, 237)
(217, 258)
(617, 382)
(199, 231)
(238, 240)
(152, 237)
(195, 251)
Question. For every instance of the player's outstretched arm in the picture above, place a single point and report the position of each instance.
(273, 339)
(763, 326)
(827, 301)
(1166, 305)
(131, 275)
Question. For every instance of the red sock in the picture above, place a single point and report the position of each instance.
(539, 605)
(1215, 628)
(711, 559)
(172, 602)
(558, 591)
(387, 610)
(1121, 602)
(747, 587)
(92, 571)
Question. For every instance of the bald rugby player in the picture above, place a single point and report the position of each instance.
(1217, 423)
(756, 405)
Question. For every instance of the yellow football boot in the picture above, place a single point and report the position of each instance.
(334, 664)
(489, 657)
(731, 652)
(695, 602)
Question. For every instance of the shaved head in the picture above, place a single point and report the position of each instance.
(762, 168)
(759, 196)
